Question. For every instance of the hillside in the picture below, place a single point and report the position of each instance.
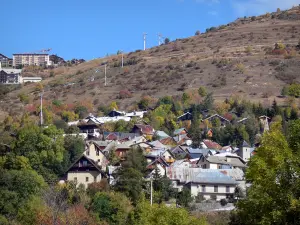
(235, 59)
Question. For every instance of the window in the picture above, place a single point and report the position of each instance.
(84, 163)
(87, 152)
(215, 188)
(86, 179)
(204, 166)
(97, 153)
(203, 188)
(227, 189)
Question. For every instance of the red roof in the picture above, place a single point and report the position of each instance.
(212, 145)
(145, 129)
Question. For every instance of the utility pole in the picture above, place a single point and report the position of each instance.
(122, 59)
(159, 38)
(105, 75)
(151, 190)
(41, 113)
(144, 34)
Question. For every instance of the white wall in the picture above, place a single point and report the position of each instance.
(209, 190)
(245, 154)
(93, 176)
(92, 154)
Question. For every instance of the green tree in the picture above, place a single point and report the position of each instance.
(202, 91)
(130, 177)
(278, 198)
(146, 214)
(184, 197)
(208, 102)
(113, 207)
(167, 41)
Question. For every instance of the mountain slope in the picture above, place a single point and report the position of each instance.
(237, 59)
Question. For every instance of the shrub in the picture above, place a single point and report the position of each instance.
(24, 98)
(57, 102)
(248, 49)
(197, 33)
(240, 67)
(223, 202)
(125, 94)
(279, 45)
(167, 41)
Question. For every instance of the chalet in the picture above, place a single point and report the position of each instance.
(91, 128)
(158, 163)
(94, 152)
(210, 145)
(166, 155)
(183, 139)
(181, 131)
(221, 161)
(169, 141)
(85, 171)
(145, 130)
(212, 184)
(222, 119)
(119, 136)
(180, 152)
(185, 117)
(195, 153)
(136, 114)
(160, 135)
(115, 113)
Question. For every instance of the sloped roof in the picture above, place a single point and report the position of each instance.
(157, 144)
(212, 176)
(168, 141)
(187, 113)
(212, 145)
(226, 160)
(217, 115)
(119, 135)
(161, 134)
(145, 129)
(245, 144)
(178, 131)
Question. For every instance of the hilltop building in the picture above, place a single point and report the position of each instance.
(5, 61)
(31, 59)
(9, 75)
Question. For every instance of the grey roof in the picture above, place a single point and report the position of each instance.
(212, 176)
(121, 135)
(102, 143)
(245, 144)
(161, 134)
(228, 160)
(203, 151)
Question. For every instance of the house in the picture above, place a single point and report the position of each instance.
(91, 128)
(212, 184)
(169, 141)
(158, 163)
(9, 76)
(115, 113)
(160, 135)
(195, 153)
(119, 136)
(264, 120)
(186, 116)
(180, 152)
(181, 131)
(222, 119)
(210, 145)
(94, 152)
(183, 139)
(157, 145)
(221, 161)
(84, 171)
(166, 155)
(136, 114)
(145, 130)
(245, 151)
(5, 61)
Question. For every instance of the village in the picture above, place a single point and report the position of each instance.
(210, 171)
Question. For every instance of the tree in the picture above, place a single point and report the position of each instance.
(202, 91)
(95, 187)
(185, 98)
(130, 177)
(144, 213)
(278, 198)
(208, 101)
(113, 207)
(167, 41)
(197, 33)
(113, 106)
(184, 197)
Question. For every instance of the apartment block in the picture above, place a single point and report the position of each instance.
(31, 59)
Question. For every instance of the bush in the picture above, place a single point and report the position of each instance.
(248, 49)
(223, 202)
(240, 67)
(24, 98)
(125, 94)
(197, 33)
(167, 40)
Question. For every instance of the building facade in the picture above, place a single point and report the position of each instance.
(5, 61)
(31, 59)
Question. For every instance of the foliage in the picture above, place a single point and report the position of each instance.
(184, 197)
(146, 214)
(24, 98)
(277, 199)
(112, 207)
(197, 33)
(130, 176)
(167, 41)
(202, 91)
(95, 187)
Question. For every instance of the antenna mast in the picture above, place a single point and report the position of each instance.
(105, 75)
(144, 34)
(159, 38)
(41, 113)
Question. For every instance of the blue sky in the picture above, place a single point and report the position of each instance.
(93, 28)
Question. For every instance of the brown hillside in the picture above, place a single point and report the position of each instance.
(236, 59)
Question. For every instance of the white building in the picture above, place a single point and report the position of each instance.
(31, 59)
(30, 79)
